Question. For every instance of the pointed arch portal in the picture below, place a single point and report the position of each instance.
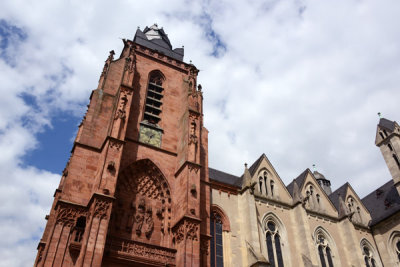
(142, 209)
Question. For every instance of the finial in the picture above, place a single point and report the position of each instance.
(190, 61)
(199, 87)
(245, 165)
(183, 46)
(379, 115)
(313, 166)
(155, 24)
(138, 27)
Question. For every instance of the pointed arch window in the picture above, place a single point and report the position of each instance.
(394, 244)
(368, 254)
(154, 97)
(217, 257)
(219, 222)
(265, 182)
(261, 184)
(271, 184)
(324, 251)
(274, 248)
(368, 257)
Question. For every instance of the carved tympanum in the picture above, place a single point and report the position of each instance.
(143, 202)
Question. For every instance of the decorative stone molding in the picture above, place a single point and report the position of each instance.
(204, 246)
(101, 208)
(121, 111)
(170, 61)
(193, 167)
(179, 233)
(126, 91)
(146, 252)
(107, 64)
(130, 61)
(67, 214)
(191, 230)
(186, 229)
(115, 144)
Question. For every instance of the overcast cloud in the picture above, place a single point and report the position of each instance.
(301, 81)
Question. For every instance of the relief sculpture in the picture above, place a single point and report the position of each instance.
(143, 203)
(139, 218)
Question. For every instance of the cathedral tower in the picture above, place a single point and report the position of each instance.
(135, 191)
(388, 140)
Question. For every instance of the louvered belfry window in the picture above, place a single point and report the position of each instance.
(154, 98)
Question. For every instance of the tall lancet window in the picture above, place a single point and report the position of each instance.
(265, 182)
(324, 251)
(154, 98)
(217, 258)
(274, 247)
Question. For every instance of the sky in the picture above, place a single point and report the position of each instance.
(301, 81)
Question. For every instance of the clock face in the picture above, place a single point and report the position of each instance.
(150, 136)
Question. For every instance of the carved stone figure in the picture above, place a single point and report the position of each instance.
(149, 224)
(139, 218)
(121, 113)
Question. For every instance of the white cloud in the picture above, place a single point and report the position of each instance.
(301, 81)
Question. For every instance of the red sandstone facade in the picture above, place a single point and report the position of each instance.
(124, 202)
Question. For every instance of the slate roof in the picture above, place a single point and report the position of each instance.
(334, 196)
(299, 180)
(162, 45)
(224, 177)
(383, 202)
(387, 124)
(254, 166)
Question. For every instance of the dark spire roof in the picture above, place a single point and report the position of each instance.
(387, 124)
(156, 39)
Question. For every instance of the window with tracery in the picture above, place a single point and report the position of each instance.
(368, 257)
(217, 258)
(274, 247)
(154, 97)
(324, 251)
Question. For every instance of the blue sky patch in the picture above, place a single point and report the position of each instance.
(219, 47)
(55, 144)
(10, 37)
